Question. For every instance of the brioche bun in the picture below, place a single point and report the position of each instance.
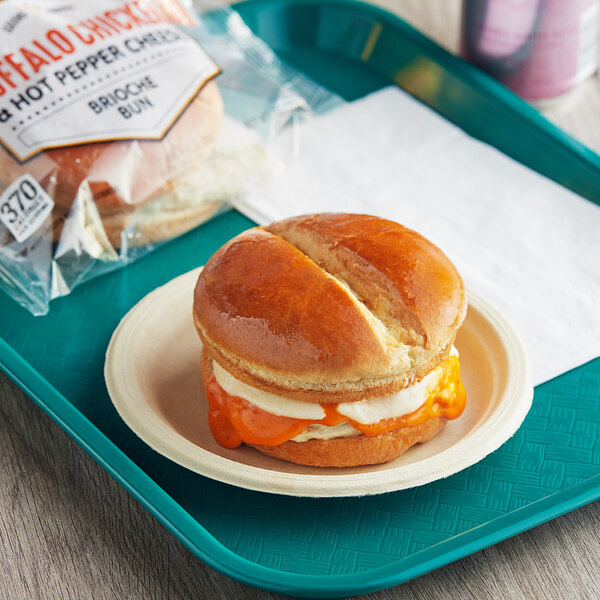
(133, 183)
(355, 451)
(331, 308)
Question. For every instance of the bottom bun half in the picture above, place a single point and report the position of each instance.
(348, 451)
(355, 451)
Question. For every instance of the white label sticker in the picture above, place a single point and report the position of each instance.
(92, 71)
(24, 206)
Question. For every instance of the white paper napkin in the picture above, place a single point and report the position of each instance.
(526, 244)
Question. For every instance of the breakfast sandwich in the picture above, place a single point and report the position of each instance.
(328, 340)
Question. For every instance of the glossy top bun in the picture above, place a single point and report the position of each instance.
(328, 307)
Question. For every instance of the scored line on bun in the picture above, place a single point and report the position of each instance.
(333, 309)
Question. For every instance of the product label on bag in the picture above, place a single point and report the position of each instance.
(77, 72)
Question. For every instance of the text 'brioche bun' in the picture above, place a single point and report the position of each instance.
(331, 308)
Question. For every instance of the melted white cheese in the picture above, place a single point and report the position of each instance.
(401, 403)
(271, 403)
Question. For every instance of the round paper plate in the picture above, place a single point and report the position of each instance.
(152, 372)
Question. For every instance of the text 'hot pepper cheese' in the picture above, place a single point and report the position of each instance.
(328, 340)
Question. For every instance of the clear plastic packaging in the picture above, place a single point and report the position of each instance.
(119, 131)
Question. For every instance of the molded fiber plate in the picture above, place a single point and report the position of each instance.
(316, 547)
(153, 379)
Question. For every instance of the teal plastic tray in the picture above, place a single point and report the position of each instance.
(329, 547)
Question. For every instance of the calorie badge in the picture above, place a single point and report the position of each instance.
(24, 206)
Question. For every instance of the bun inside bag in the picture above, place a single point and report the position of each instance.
(134, 185)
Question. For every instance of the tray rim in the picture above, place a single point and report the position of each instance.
(203, 544)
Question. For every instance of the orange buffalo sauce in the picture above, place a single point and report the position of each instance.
(234, 420)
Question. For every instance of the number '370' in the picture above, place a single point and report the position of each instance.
(15, 202)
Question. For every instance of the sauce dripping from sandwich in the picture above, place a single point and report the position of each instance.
(234, 420)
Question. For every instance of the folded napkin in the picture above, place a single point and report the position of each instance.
(528, 245)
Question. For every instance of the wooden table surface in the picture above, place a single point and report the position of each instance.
(68, 530)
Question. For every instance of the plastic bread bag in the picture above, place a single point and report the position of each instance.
(125, 124)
